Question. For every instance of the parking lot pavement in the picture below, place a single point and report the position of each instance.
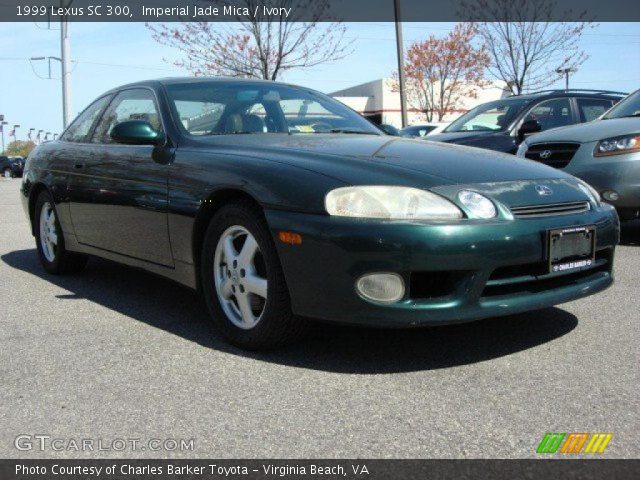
(113, 353)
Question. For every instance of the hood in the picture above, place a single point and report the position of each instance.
(383, 159)
(589, 132)
(461, 137)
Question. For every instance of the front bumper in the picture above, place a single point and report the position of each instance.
(615, 173)
(453, 272)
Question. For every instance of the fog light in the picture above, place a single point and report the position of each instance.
(381, 287)
(611, 196)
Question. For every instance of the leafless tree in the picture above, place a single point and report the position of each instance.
(260, 46)
(527, 50)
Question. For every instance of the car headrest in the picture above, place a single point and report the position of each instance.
(244, 123)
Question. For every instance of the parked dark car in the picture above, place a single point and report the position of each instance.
(416, 131)
(503, 124)
(11, 166)
(604, 153)
(280, 204)
(390, 130)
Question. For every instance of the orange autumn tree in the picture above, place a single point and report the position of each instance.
(440, 72)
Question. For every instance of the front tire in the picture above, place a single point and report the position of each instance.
(243, 282)
(50, 239)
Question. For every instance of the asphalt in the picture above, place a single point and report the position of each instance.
(114, 353)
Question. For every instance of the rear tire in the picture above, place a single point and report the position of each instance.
(7, 173)
(243, 282)
(50, 240)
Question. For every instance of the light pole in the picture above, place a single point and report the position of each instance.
(400, 49)
(15, 127)
(566, 72)
(31, 130)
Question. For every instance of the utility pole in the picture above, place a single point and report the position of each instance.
(566, 72)
(64, 61)
(400, 48)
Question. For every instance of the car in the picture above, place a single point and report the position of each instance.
(11, 166)
(417, 131)
(604, 153)
(279, 204)
(390, 129)
(503, 124)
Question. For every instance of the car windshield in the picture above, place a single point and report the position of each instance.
(221, 108)
(491, 116)
(628, 107)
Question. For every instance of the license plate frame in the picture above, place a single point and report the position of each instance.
(571, 248)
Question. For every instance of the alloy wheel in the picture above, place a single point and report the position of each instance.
(48, 232)
(240, 277)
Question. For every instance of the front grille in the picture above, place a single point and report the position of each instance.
(557, 155)
(535, 277)
(550, 210)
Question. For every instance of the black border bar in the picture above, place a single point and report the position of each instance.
(320, 10)
(561, 467)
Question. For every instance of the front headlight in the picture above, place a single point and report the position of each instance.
(617, 145)
(591, 192)
(479, 205)
(388, 202)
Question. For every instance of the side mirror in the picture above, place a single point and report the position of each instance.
(529, 127)
(136, 132)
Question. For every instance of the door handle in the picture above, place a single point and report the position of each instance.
(78, 166)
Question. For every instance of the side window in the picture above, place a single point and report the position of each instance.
(551, 113)
(81, 126)
(198, 117)
(592, 108)
(134, 104)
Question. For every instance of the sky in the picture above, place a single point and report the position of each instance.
(107, 55)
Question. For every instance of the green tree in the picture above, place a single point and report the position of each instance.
(19, 148)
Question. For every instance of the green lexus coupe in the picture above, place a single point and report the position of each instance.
(280, 205)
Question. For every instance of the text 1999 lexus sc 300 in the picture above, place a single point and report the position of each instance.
(281, 204)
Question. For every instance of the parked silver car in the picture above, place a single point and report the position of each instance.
(605, 153)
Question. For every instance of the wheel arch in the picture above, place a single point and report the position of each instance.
(36, 189)
(210, 205)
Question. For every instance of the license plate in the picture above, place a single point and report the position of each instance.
(571, 248)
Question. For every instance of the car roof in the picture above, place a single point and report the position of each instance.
(571, 93)
(183, 80)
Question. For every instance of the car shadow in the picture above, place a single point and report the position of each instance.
(630, 233)
(335, 348)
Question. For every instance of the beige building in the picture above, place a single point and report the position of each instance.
(379, 101)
